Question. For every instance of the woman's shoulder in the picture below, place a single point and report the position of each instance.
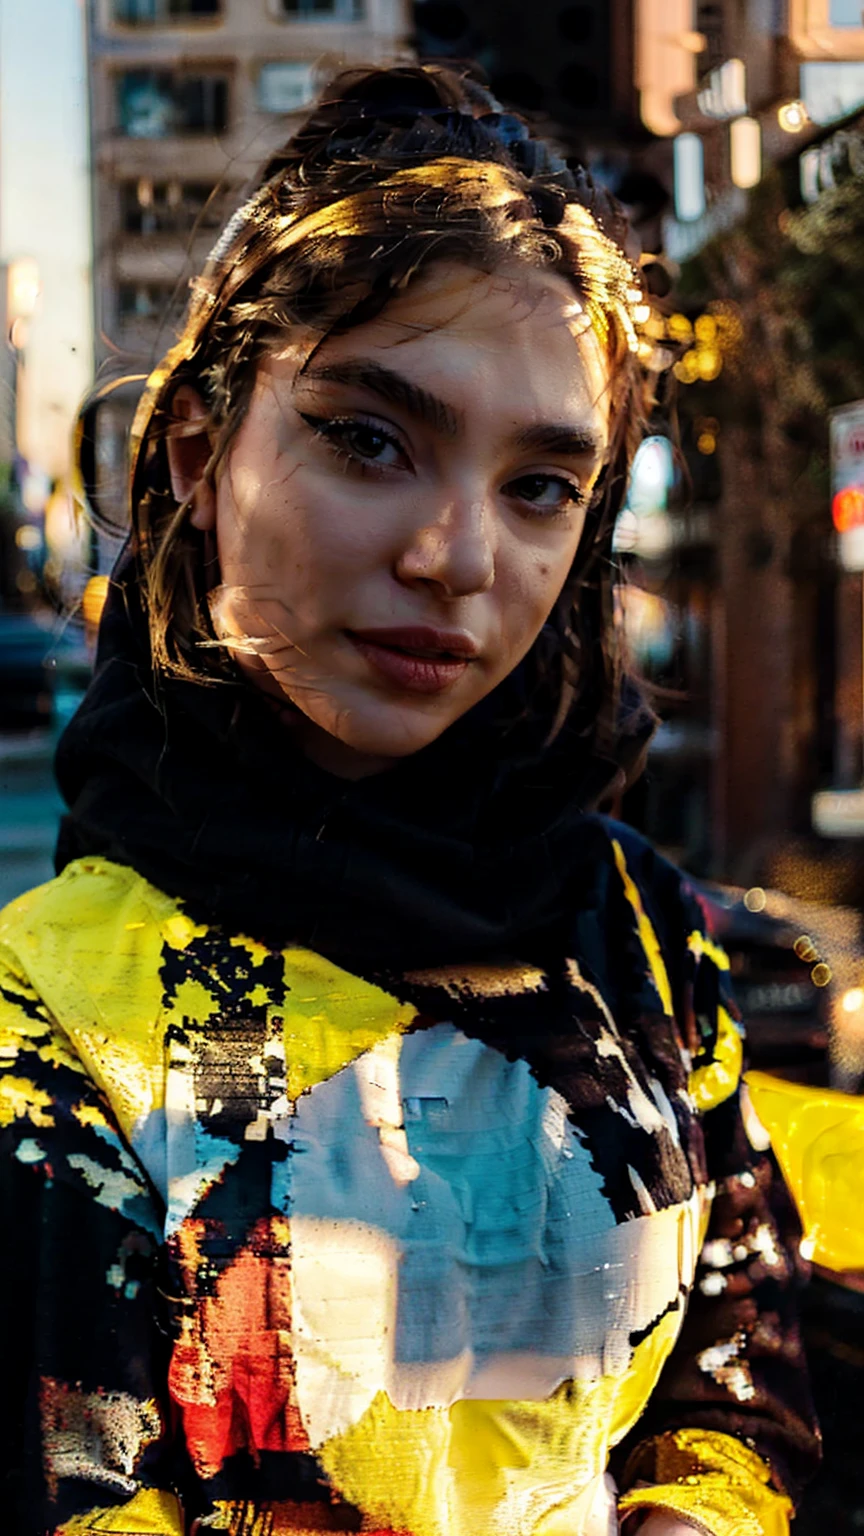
(666, 893)
(91, 900)
(82, 937)
(89, 890)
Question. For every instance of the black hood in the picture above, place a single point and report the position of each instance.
(466, 850)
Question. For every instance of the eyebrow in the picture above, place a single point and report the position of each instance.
(575, 442)
(365, 373)
(394, 387)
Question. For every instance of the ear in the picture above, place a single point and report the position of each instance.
(189, 448)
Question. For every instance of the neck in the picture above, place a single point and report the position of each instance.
(328, 752)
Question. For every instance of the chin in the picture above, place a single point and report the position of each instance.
(352, 742)
(397, 742)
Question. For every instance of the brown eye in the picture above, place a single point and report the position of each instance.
(546, 493)
(359, 440)
(366, 442)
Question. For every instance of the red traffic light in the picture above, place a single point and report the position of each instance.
(847, 508)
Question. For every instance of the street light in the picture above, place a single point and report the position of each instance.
(793, 116)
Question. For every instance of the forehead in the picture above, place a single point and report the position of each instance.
(515, 341)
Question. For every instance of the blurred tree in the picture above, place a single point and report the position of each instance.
(795, 275)
(788, 667)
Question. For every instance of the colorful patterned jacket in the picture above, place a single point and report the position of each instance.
(287, 1249)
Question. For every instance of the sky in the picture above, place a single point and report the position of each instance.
(45, 208)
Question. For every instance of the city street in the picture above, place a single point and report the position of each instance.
(29, 810)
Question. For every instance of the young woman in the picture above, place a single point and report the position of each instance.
(372, 1154)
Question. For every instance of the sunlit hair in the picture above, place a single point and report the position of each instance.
(394, 170)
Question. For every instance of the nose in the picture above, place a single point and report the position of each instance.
(453, 549)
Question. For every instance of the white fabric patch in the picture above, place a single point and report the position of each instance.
(451, 1238)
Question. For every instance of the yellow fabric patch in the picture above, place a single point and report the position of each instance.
(90, 1114)
(21, 1033)
(718, 1079)
(331, 1018)
(645, 929)
(18, 1033)
(91, 943)
(257, 952)
(699, 944)
(178, 930)
(18, 1030)
(818, 1136)
(150, 1513)
(716, 1482)
(192, 1001)
(491, 1466)
(22, 1100)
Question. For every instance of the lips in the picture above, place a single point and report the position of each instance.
(417, 658)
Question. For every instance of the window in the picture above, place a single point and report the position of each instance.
(285, 87)
(830, 90)
(323, 10)
(844, 13)
(144, 301)
(149, 13)
(169, 207)
(155, 103)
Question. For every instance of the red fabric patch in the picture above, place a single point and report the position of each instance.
(232, 1370)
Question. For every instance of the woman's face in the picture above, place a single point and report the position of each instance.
(396, 519)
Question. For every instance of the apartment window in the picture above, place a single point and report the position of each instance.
(144, 301)
(831, 89)
(323, 10)
(169, 207)
(285, 87)
(156, 103)
(151, 13)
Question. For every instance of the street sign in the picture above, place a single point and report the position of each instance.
(847, 483)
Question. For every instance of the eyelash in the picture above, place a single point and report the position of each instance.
(333, 430)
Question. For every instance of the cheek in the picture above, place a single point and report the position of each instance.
(296, 537)
(530, 584)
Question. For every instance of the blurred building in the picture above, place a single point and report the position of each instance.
(572, 63)
(187, 99)
(8, 508)
(766, 73)
(7, 379)
(576, 71)
(759, 667)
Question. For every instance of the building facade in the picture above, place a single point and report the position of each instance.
(767, 675)
(187, 99)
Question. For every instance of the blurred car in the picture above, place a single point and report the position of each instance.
(786, 1012)
(42, 664)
